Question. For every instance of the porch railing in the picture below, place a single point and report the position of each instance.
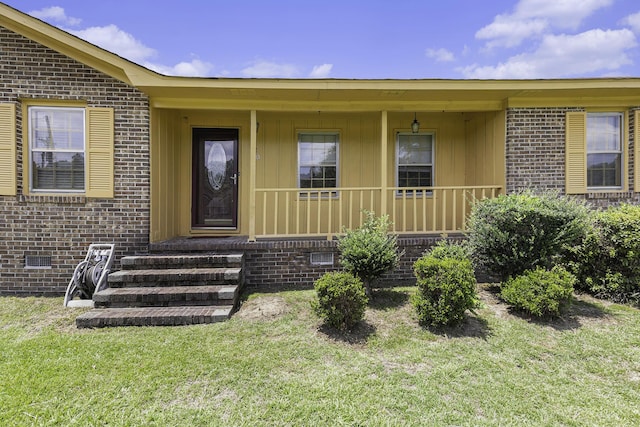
(295, 212)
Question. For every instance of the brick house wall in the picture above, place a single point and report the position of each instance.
(535, 154)
(62, 227)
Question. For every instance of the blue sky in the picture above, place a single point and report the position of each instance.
(375, 39)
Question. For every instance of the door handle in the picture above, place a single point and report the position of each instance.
(234, 178)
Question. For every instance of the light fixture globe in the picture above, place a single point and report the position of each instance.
(415, 125)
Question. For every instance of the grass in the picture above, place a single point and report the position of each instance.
(275, 364)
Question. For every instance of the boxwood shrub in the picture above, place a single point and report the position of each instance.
(446, 286)
(540, 292)
(341, 300)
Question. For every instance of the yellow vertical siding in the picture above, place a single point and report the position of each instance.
(485, 135)
(165, 166)
(7, 150)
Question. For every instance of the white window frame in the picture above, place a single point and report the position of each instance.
(31, 113)
(399, 192)
(309, 191)
(619, 152)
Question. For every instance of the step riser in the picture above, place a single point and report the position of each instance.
(167, 284)
(177, 277)
(170, 298)
(138, 317)
(176, 303)
(156, 262)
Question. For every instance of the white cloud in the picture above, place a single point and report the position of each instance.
(55, 14)
(120, 42)
(590, 52)
(534, 18)
(117, 41)
(633, 21)
(266, 69)
(193, 68)
(321, 71)
(440, 55)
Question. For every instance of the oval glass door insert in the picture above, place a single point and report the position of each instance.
(216, 166)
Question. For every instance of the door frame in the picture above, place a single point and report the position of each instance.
(198, 133)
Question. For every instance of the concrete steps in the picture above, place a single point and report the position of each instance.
(163, 290)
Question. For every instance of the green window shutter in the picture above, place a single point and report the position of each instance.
(7, 150)
(636, 151)
(576, 153)
(99, 148)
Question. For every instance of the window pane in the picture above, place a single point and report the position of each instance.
(604, 170)
(58, 171)
(57, 128)
(414, 176)
(415, 160)
(318, 157)
(604, 132)
(415, 149)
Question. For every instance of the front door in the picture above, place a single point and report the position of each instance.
(215, 178)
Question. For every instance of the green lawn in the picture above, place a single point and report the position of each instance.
(274, 364)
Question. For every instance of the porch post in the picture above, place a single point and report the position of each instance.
(253, 151)
(383, 163)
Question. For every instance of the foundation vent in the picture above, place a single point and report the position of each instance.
(321, 258)
(37, 261)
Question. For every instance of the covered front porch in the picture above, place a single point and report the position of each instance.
(277, 186)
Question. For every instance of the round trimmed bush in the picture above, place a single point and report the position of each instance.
(540, 292)
(341, 300)
(446, 286)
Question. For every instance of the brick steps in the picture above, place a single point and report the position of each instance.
(153, 316)
(165, 290)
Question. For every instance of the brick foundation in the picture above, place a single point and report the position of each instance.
(279, 264)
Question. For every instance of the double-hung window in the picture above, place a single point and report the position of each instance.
(57, 149)
(414, 160)
(604, 150)
(318, 159)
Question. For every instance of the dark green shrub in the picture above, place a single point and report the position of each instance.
(341, 300)
(540, 292)
(369, 251)
(446, 249)
(446, 286)
(608, 262)
(518, 232)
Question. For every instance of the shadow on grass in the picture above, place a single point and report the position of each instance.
(386, 298)
(358, 335)
(571, 318)
(471, 327)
